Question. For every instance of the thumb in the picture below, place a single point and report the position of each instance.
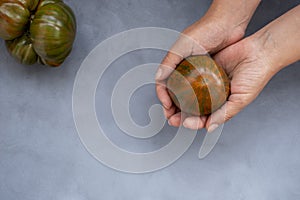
(231, 108)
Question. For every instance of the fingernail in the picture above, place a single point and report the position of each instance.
(169, 123)
(212, 127)
(191, 123)
(158, 74)
(186, 123)
(166, 104)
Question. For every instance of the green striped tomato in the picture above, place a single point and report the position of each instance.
(14, 16)
(52, 38)
(21, 48)
(37, 30)
(198, 86)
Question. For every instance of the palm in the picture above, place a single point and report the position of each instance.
(248, 72)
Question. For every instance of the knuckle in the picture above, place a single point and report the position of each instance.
(228, 117)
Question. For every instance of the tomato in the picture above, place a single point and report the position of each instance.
(198, 86)
(37, 30)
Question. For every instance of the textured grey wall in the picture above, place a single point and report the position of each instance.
(41, 156)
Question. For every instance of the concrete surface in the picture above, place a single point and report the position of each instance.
(41, 156)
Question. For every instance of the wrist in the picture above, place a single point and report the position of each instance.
(214, 34)
(266, 47)
(234, 14)
(226, 21)
(278, 42)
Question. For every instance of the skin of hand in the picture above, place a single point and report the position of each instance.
(223, 24)
(250, 64)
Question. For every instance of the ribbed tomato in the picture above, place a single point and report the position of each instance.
(22, 49)
(37, 30)
(198, 86)
(52, 38)
(14, 16)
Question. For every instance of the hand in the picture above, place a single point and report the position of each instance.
(252, 62)
(249, 70)
(249, 63)
(206, 35)
(247, 66)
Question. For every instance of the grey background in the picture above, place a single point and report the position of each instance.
(41, 156)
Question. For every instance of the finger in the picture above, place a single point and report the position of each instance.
(176, 119)
(225, 113)
(203, 118)
(194, 122)
(169, 112)
(163, 95)
(182, 48)
(168, 64)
